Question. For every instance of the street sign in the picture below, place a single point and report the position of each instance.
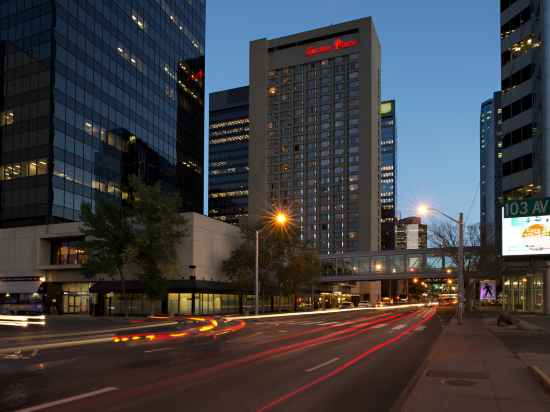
(528, 207)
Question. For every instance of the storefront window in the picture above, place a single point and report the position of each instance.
(523, 293)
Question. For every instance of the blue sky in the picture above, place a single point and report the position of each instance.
(440, 60)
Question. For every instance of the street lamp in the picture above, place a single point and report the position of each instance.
(281, 219)
(424, 210)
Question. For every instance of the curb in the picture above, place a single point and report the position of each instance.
(540, 376)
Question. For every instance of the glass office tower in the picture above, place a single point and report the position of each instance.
(228, 155)
(94, 91)
(388, 168)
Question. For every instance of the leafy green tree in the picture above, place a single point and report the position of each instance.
(284, 261)
(108, 236)
(144, 232)
(158, 228)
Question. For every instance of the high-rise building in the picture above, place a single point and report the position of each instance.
(81, 108)
(523, 143)
(388, 169)
(228, 155)
(314, 133)
(488, 126)
(411, 233)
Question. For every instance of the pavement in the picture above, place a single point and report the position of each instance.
(479, 366)
(352, 360)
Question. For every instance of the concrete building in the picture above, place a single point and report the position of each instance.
(228, 155)
(388, 172)
(47, 259)
(410, 233)
(314, 133)
(523, 145)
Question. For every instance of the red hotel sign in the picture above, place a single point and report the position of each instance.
(338, 44)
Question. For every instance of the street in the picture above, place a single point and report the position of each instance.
(325, 362)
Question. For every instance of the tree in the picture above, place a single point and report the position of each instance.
(301, 268)
(158, 228)
(108, 236)
(143, 232)
(445, 235)
(241, 265)
(284, 261)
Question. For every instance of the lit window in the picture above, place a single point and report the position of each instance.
(7, 118)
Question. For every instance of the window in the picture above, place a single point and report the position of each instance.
(518, 78)
(67, 252)
(515, 22)
(517, 165)
(517, 136)
(505, 4)
(27, 168)
(517, 107)
(7, 118)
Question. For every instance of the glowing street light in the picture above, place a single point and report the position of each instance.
(279, 218)
(423, 210)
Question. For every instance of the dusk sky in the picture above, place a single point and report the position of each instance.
(440, 60)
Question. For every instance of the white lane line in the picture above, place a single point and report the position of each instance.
(158, 350)
(329, 323)
(398, 327)
(67, 400)
(322, 365)
(380, 325)
(419, 328)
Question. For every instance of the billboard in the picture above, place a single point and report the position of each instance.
(487, 290)
(526, 227)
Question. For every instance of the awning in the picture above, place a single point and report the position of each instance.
(173, 286)
(19, 286)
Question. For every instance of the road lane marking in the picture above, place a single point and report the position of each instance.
(420, 328)
(398, 327)
(158, 350)
(67, 400)
(328, 323)
(322, 365)
(381, 325)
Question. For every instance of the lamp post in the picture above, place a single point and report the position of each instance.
(280, 219)
(423, 210)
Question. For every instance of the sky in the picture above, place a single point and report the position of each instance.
(440, 60)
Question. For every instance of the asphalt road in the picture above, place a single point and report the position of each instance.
(354, 360)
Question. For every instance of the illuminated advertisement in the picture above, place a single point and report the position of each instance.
(525, 235)
(487, 290)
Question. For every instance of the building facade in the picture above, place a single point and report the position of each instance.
(388, 170)
(228, 155)
(411, 233)
(314, 133)
(488, 126)
(43, 264)
(523, 144)
(75, 100)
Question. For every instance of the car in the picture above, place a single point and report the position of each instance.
(346, 305)
(365, 304)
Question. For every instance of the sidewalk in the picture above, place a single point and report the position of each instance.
(470, 369)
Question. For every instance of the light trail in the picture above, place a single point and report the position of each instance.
(284, 398)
